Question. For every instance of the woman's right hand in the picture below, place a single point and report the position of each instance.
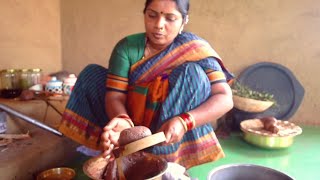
(111, 134)
(173, 130)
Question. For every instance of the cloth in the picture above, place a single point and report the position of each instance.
(176, 172)
(174, 81)
(88, 152)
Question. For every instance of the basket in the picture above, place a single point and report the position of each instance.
(251, 105)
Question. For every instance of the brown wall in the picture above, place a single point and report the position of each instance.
(90, 30)
(30, 34)
(243, 32)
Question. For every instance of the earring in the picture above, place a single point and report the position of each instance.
(181, 29)
(187, 19)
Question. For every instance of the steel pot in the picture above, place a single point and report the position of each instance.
(246, 172)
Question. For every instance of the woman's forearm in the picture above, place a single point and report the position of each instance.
(215, 107)
(115, 104)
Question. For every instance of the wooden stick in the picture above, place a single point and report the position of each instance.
(4, 142)
(15, 136)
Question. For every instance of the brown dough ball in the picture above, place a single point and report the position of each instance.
(269, 124)
(27, 95)
(133, 134)
(274, 129)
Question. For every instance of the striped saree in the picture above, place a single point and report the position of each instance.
(174, 81)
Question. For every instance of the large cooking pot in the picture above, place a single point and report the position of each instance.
(144, 166)
(246, 172)
(148, 166)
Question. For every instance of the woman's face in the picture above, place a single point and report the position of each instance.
(162, 22)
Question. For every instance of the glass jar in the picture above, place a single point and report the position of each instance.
(36, 76)
(25, 78)
(10, 83)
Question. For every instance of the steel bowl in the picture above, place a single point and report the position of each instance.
(60, 173)
(254, 133)
(268, 142)
(246, 172)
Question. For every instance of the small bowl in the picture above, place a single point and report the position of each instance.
(61, 173)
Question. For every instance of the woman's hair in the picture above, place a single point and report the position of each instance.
(183, 6)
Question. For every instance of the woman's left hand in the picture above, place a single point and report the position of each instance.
(173, 130)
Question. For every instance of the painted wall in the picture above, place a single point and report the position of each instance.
(90, 30)
(30, 35)
(70, 34)
(243, 32)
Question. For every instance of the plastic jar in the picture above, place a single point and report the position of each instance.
(10, 83)
(54, 86)
(69, 83)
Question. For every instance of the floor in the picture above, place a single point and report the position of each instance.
(300, 161)
(24, 159)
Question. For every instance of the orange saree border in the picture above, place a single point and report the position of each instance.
(74, 126)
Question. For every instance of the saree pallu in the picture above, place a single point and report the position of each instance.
(174, 81)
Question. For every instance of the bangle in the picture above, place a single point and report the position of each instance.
(192, 119)
(125, 117)
(189, 120)
(183, 123)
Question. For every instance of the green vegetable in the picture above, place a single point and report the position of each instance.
(246, 92)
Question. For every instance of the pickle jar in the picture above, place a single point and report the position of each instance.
(25, 78)
(10, 83)
(36, 76)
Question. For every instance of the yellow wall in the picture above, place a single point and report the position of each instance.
(30, 34)
(90, 30)
(243, 32)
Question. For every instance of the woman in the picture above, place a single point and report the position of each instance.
(165, 79)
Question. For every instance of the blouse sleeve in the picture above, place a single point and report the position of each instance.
(215, 70)
(119, 65)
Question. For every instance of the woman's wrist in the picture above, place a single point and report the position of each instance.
(187, 120)
(183, 124)
(125, 117)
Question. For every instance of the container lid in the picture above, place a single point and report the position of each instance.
(54, 81)
(71, 79)
(36, 70)
(9, 70)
